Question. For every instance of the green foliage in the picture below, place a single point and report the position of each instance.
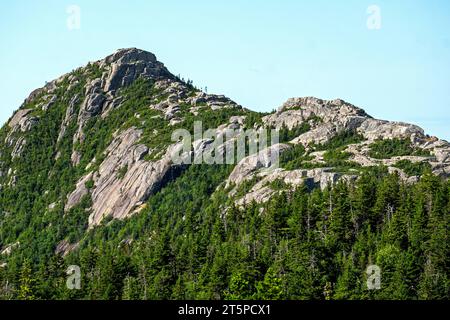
(278, 184)
(89, 184)
(191, 240)
(297, 158)
(122, 172)
(287, 135)
(338, 159)
(99, 132)
(26, 282)
(254, 119)
(341, 139)
(385, 149)
(294, 158)
(336, 155)
(322, 241)
(413, 168)
(271, 287)
(241, 286)
(246, 186)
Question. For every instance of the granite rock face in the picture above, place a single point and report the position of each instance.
(127, 174)
(128, 64)
(123, 181)
(265, 159)
(21, 121)
(120, 70)
(261, 191)
(334, 116)
(329, 118)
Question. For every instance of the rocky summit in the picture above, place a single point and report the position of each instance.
(91, 153)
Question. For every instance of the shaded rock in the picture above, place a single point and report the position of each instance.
(48, 104)
(239, 120)
(212, 101)
(117, 196)
(263, 159)
(8, 249)
(33, 95)
(21, 121)
(18, 148)
(258, 195)
(442, 170)
(261, 192)
(69, 117)
(75, 158)
(64, 247)
(52, 205)
(92, 106)
(171, 111)
(442, 155)
(80, 191)
(128, 64)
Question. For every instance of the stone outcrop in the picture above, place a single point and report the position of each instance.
(21, 121)
(261, 192)
(124, 179)
(64, 248)
(92, 106)
(51, 99)
(70, 116)
(212, 101)
(9, 248)
(335, 116)
(373, 129)
(246, 167)
(127, 65)
(329, 118)
(18, 147)
(80, 191)
(299, 110)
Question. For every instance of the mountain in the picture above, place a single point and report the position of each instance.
(88, 177)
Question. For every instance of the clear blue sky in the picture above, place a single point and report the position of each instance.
(259, 53)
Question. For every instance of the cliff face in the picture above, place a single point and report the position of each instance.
(107, 131)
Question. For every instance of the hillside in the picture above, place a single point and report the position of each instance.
(88, 178)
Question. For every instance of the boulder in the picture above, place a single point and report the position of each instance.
(247, 166)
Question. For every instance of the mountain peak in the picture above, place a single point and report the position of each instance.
(126, 65)
(130, 55)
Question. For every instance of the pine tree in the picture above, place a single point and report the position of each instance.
(271, 287)
(130, 289)
(26, 282)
